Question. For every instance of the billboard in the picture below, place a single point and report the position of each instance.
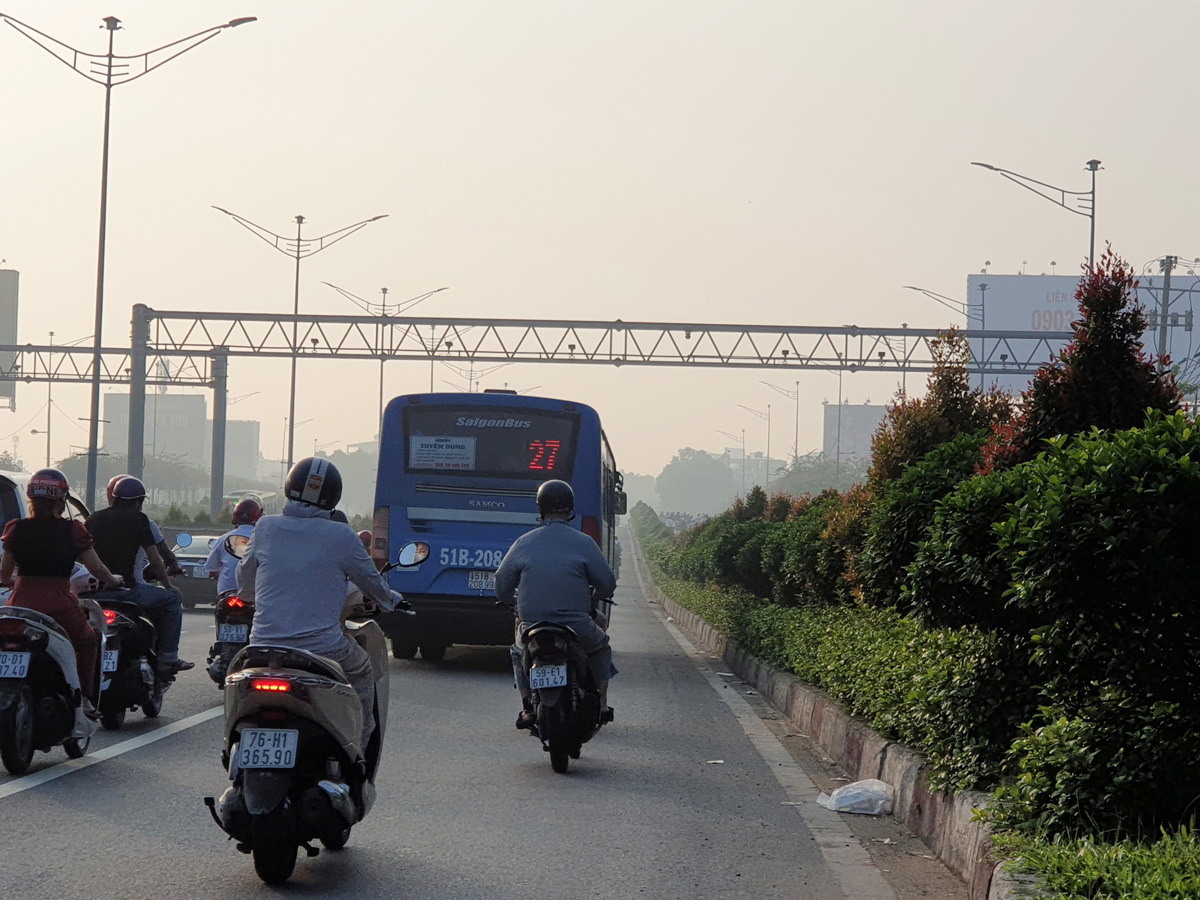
(176, 426)
(849, 428)
(9, 279)
(1047, 303)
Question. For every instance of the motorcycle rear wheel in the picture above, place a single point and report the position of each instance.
(274, 863)
(112, 719)
(433, 652)
(16, 733)
(337, 843)
(403, 649)
(559, 759)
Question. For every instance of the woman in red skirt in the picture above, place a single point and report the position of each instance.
(43, 549)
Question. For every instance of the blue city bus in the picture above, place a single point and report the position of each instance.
(460, 472)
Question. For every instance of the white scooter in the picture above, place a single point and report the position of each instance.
(41, 704)
(293, 725)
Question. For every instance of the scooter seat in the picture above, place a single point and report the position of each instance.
(270, 656)
(554, 627)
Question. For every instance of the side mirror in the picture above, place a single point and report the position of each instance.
(236, 544)
(622, 503)
(184, 540)
(412, 554)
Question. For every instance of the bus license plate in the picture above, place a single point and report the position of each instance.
(14, 664)
(547, 677)
(233, 634)
(268, 748)
(109, 662)
(481, 581)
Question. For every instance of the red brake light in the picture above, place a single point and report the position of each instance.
(277, 685)
(12, 627)
(591, 527)
(110, 616)
(234, 602)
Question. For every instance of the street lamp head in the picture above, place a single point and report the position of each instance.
(377, 218)
(985, 166)
(112, 23)
(1093, 165)
(234, 23)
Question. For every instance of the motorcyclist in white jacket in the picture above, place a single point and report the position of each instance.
(295, 571)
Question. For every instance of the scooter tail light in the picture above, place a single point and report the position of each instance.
(110, 616)
(12, 627)
(234, 602)
(273, 685)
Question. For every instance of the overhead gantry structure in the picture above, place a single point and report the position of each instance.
(198, 345)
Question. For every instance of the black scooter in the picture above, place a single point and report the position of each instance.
(129, 668)
(566, 700)
(233, 616)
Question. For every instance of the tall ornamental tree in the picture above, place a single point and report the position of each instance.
(1102, 379)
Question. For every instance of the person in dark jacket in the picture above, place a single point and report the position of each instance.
(557, 574)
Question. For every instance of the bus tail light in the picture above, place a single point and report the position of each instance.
(591, 527)
(380, 524)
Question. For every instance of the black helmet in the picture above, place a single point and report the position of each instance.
(316, 482)
(129, 491)
(555, 497)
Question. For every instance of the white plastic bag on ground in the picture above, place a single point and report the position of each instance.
(869, 798)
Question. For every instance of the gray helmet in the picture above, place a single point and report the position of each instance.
(555, 497)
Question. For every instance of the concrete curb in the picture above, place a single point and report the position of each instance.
(942, 820)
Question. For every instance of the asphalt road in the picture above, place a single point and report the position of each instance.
(468, 806)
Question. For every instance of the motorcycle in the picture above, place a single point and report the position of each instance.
(233, 616)
(129, 663)
(41, 705)
(566, 700)
(293, 725)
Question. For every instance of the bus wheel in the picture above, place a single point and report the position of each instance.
(434, 653)
(403, 649)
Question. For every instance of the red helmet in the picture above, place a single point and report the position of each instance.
(365, 537)
(48, 483)
(247, 511)
(112, 483)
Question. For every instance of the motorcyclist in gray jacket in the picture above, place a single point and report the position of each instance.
(557, 574)
(295, 571)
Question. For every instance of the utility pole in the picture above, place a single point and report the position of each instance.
(1167, 264)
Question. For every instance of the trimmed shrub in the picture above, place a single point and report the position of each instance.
(902, 513)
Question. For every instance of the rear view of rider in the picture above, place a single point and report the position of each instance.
(554, 573)
(295, 571)
(221, 564)
(119, 533)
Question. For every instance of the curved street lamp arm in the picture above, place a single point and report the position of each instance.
(1080, 197)
(762, 415)
(328, 240)
(278, 241)
(963, 309)
(791, 395)
(355, 299)
(95, 67)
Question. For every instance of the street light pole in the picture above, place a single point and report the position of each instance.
(742, 440)
(299, 248)
(49, 407)
(791, 395)
(766, 416)
(381, 309)
(1082, 203)
(109, 70)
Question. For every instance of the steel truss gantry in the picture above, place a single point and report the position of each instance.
(216, 336)
(197, 347)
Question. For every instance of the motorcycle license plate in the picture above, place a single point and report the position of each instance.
(14, 664)
(481, 581)
(547, 677)
(234, 634)
(268, 748)
(109, 662)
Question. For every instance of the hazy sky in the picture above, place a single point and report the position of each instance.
(673, 160)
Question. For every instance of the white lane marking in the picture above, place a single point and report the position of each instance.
(848, 860)
(74, 765)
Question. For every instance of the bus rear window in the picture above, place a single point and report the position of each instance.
(490, 441)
